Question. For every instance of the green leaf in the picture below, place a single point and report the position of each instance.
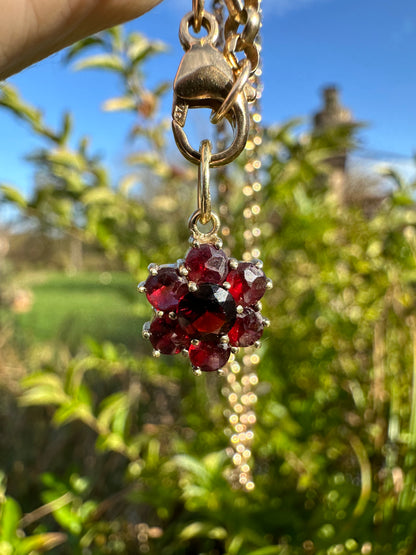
(140, 48)
(269, 550)
(12, 195)
(69, 519)
(153, 453)
(79, 484)
(116, 35)
(9, 521)
(214, 462)
(6, 548)
(75, 411)
(112, 62)
(235, 545)
(82, 45)
(127, 182)
(192, 466)
(10, 99)
(162, 88)
(43, 388)
(109, 352)
(119, 103)
(111, 408)
(66, 128)
(111, 442)
(204, 530)
(152, 161)
(394, 175)
(98, 195)
(40, 542)
(67, 158)
(87, 510)
(42, 395)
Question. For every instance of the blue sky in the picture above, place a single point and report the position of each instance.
(366, 47)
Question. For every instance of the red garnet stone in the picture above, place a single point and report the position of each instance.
(207, 264)
(164, 290)
(248, 328)
(207, 313)
(248, 283)
(209, 356)
(167, 336)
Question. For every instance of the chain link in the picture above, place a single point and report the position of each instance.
(246, 14)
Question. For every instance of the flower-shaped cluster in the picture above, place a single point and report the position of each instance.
(206, 306)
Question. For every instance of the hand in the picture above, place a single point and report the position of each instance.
(33, 29)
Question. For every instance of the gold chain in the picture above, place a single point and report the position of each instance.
(241, 375)
(245, 13)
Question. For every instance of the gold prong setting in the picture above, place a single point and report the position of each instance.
(146, 330)
(141, 288)
(192, 286)
(153, 269)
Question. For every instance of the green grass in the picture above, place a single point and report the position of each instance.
(104, 306)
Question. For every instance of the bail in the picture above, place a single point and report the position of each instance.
(204, 194)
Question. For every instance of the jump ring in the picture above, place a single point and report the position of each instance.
(236, 89)
(209, 22)
(198, 11)
(197, 233)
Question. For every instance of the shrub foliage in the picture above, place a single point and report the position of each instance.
(109, 451)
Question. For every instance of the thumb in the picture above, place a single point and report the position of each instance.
(33, 29)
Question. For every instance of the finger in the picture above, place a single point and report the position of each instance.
(33, 29)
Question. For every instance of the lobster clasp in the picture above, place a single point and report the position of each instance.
(206, 80)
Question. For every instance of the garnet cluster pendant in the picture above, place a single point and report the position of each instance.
(206, 306)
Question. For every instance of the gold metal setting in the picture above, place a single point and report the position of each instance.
(204, 236)
(204, 194)
(192, 286)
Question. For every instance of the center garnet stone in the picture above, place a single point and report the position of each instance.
(208, 312)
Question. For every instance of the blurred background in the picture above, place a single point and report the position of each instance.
(104, 449)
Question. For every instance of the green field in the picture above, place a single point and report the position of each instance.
(104, 306)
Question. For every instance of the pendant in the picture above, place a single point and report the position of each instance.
(206, 306)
